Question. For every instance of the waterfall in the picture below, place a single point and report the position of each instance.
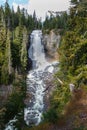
(35, 84)
(41, 71)
(36, 81)
(36, 51)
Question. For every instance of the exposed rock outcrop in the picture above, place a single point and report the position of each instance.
(51, 43)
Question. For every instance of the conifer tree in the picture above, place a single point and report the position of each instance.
(6, 67)
(23, 49)
(7, 14)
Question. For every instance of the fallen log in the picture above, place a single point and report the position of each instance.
(46, 89)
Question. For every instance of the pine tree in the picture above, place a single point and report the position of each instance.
(6, 67)
(23, 50)
(35, 19)
(7, 14)
(80, 8)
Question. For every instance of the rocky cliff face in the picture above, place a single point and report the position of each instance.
(51, 42)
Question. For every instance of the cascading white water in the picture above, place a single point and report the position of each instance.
(40, 72)
(35, 84)
(36, 51)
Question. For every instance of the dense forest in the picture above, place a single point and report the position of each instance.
(15, 28)
(66, 106)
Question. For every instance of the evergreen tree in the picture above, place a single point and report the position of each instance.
(35, 19)
(14, 30)
(73, 55)
(80, 8)
(23, 50)
(7, 14)
(6, 67)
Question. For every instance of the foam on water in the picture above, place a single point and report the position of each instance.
(41, 70)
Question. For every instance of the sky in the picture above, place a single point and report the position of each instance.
(40, 6)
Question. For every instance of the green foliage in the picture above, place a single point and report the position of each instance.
(23, 52)
(51, 116)
(13, 106)
(81, 128)
(73, 56)
(14, 28)
(80, 8)
(2, 114)
(16, 47)
(14, 33)
(15, 103)
(55, 22)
